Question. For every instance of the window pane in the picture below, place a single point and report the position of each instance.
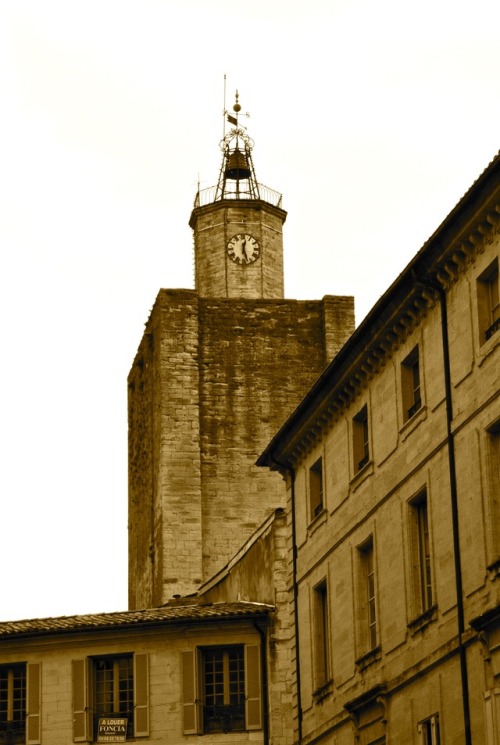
(4, 672)
(13, 704)
(126, 685)
(367, 599)
(214, 678)
(104, 686)
(424, 555)
(236, 676)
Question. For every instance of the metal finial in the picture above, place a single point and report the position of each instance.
(236, 107)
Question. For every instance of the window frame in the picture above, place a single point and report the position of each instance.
(360, 439)
(15, 690)
(411, 384)
(101, 689)
(488, 302)
(322, 671)
(224, 676)
(368, 629)
(493, 490)
(83, 680)
(421, 551)
(31, 722)
(316, 489)
(428, 731)
(193, 694)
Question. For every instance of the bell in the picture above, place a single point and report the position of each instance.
(237, 166)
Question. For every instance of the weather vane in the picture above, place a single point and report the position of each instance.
(229, 117)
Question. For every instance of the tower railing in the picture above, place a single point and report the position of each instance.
(211, 195)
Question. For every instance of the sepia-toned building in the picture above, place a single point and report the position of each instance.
(197, 666)
(218, 370)
(340, 588)
(136, 675)
(392, 463)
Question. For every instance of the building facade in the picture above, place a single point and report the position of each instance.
(137, 676)
(392, 462)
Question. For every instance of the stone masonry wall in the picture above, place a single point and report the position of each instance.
(257, 360)
(212, 382)
(216, 274)
(164, 477)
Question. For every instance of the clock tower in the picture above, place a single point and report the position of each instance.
(219, 369)
(238, 227)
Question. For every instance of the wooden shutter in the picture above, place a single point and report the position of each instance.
(82, 713)
(492, 715)
(141, 695)
(253, 697)
(33, 699)
(190, 688)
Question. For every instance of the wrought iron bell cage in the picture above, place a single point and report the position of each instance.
(237, 179)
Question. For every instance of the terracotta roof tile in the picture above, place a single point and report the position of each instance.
(176, 613)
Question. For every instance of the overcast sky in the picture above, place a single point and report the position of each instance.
(372, 119)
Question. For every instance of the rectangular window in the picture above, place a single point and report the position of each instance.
(316, 488)
(368, 608)
(488, 302)
(321, 635)
(428, 731)
(114, 690)
(110, 687)
(13, 704)
(421, 553)
(361, 448)
(223, 689)
(410, 384)
(493, 461)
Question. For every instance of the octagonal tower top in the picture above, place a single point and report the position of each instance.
(237, 179)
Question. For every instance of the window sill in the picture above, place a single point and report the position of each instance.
(324, 691)
(419, 416)
(493, 569)
(423, 620)
(369, 658)
(362, 474)
(317, 520)
(492, 330)
(487, 346)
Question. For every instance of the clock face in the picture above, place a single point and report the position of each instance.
(243, 249)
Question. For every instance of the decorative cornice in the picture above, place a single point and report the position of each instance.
(397, 314)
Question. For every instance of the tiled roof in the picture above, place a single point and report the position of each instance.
(176, 613)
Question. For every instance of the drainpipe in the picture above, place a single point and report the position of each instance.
(295, 590)
(454, 504)
(263, 665)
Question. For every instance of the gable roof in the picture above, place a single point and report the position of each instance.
(175, 614)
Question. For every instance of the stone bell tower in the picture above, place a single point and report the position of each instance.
(238, 227)
(218, 370)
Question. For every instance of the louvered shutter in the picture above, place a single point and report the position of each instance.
(190, 687)
(33, 698)
(253, 697)
(82, 714)
(141, 695)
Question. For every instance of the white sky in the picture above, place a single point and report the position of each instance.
(371, 118)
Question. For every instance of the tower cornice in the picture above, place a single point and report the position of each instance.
(253, 204)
